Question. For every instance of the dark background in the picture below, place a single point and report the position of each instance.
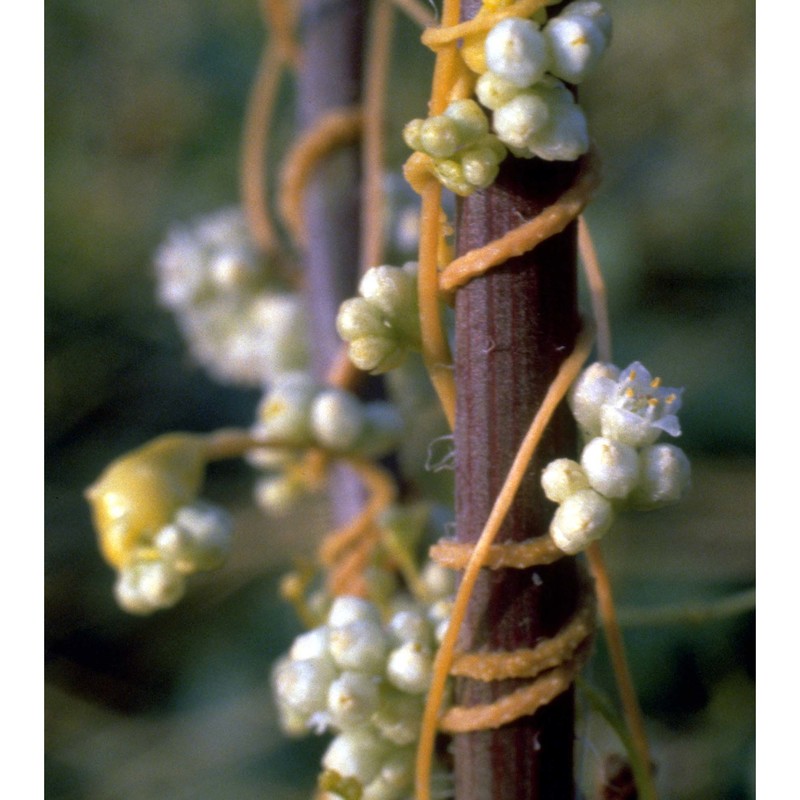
(144, 102)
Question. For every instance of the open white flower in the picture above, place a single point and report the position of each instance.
(629, 406)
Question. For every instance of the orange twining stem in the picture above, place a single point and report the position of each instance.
(530, 662)
(416, 11)
(567, 373)
(516, 704)
(597, 566)
(448, 34)
(510, 555)
(333, 130)
(280, 16)
(253, 172)
(345, 552)
(377, 66)
(597, 287)
(435, 348)
(549, 222)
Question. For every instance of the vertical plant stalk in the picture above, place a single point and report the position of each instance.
(330, 77)
(514, 327)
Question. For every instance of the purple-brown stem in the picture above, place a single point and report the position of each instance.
(514, 327)
(330, 77)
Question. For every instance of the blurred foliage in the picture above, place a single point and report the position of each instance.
(144, 103)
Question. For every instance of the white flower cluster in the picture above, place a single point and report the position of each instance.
(621, 415)
(526, 65)
(238, 319)
(382, 324)
(198, 539)
(465, 155)
(365, 680)
(298, 412)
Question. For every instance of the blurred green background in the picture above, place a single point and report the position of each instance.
(144, 103)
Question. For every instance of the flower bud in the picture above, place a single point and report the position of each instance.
(409, 626)
(583, 517)
(278, 494)
(566, 135)
(303, 685)
(594, 387)
(358, 317)
(493, 91)
(393, 290)
(410, 667)
(146, 586)
(593, 10)
(665, 473)
(398, 716)
(337, 419)
(312, 644)
(352, 699)
(576, 44)
(356, 754)
(611, 467)
(470, 119)
(347, 608)
(517, 51)
(199, 539)
(359, 645)
(440, 137)
(284, 412)
(521, 118)
(561, 478)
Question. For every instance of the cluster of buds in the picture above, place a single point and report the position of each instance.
(236, 314)
(381, 325)
(365, 678)
(621, 415)
(466, 156)
(152, 528)
(524, 67)
(298, 413)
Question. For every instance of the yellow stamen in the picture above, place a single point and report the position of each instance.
(655, 383)
(629, 392)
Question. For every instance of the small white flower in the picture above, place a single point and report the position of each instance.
(641, 408)
(611, 467)
(629, 406)
(581, 519)
(517, 50)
